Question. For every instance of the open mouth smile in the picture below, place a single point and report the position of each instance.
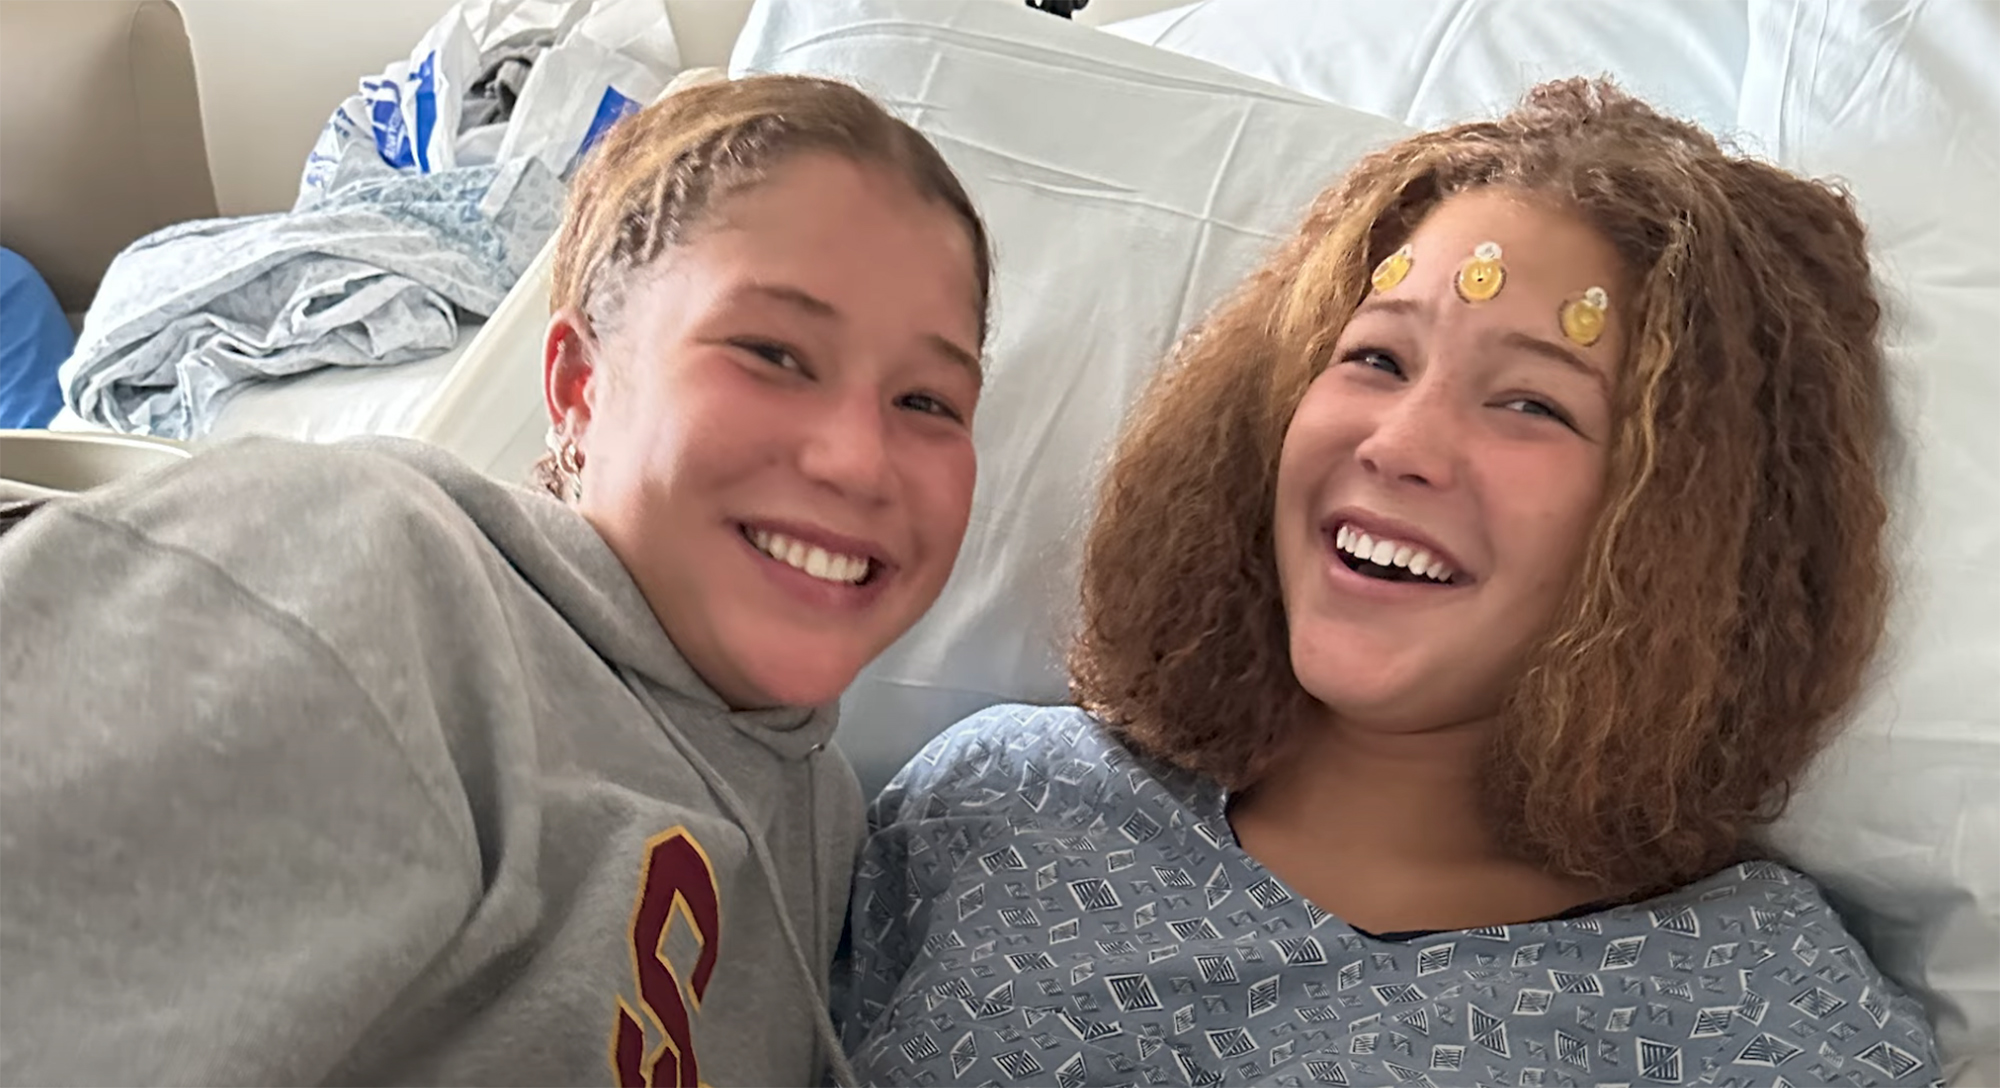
(1390, 560)
(832, 567)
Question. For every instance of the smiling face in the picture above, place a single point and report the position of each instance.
(776, 428)
(1462, 446)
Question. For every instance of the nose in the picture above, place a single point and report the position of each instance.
(1415, 437)
(848, 448)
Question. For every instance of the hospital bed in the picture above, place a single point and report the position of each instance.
(1131, 171)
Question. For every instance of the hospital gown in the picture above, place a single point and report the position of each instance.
(1039, 905)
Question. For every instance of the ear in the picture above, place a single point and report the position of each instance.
(568, 364)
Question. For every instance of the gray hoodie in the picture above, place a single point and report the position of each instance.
(346, 764)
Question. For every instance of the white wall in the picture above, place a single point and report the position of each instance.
(272, 71)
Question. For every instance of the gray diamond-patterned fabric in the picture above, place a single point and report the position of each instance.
(1038, 905)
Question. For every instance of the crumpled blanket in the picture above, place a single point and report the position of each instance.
(375, 274)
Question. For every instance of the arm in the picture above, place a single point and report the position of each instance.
(220, 864)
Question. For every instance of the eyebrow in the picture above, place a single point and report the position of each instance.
(819, 308)
(1549, 349)
(792, 296)
(1521, 341)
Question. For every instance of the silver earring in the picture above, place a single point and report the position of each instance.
(569, 463)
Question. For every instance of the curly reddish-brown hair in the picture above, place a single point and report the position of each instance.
(1733, 588)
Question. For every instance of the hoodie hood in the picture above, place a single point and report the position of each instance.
(565, 559)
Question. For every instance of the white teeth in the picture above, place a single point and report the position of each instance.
(815, 561)
(1391, 553)
(818, 563)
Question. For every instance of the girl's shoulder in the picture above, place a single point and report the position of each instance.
(1776, 970)
(1026, 757)
(1016, 733)
(994, 747)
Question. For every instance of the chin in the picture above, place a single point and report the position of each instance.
(805, 678)
(1415, 709)
(1376, 694)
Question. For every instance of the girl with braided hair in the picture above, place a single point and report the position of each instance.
(347, 764)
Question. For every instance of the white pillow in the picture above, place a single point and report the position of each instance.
(1126, 189)
(1902, 102)
(1431, 62)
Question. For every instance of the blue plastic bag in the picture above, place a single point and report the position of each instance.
(605, 59)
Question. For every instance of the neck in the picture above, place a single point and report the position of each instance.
(1340, 778)
(1388, 831)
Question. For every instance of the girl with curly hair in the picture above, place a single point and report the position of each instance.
(1464, 596)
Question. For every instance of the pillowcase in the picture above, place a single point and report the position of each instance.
(1432, 62)
(1126, 190)
(1902, 819)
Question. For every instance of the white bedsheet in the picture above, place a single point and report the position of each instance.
(328, 404)
(482, 400)
(341, 402)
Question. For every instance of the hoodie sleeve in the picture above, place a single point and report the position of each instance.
(221, 862)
